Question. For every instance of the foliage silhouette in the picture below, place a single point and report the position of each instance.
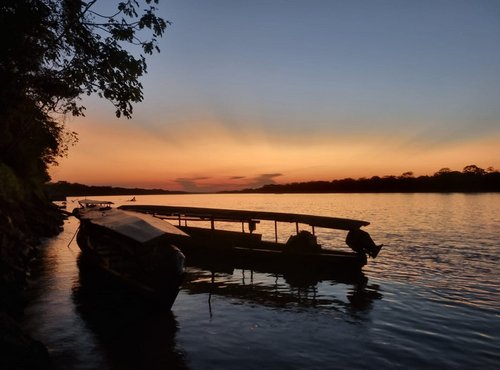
(62, 189)
(471, 179)
(53, 53)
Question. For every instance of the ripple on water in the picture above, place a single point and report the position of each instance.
(430, 300)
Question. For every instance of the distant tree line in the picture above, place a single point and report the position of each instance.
(62, 189)
(471, 179)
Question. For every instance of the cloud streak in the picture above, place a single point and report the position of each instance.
(263, 179)
(193, 184)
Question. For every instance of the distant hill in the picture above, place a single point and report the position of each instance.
(62, 189)
(471, 179)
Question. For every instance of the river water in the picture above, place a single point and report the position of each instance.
(430, 300)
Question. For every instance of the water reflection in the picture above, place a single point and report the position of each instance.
(287, 289)
(439, 309)
(132, 333)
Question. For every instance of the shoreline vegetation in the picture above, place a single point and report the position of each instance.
(472, 179)
(26, 217)
(60, 190)
(55, 53)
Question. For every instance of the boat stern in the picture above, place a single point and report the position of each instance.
(361, 242)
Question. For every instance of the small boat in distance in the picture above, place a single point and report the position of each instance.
(247, 248)
(138, 249)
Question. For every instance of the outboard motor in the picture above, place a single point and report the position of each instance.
(361, 242)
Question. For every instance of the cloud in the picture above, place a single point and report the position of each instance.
(200, 183)
(264, 179)
(191, 184)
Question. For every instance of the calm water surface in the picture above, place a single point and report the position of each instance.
(430, 300)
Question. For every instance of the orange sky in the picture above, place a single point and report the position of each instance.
(208, 156)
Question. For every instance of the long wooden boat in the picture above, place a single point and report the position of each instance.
(247, 248)
(137, 248)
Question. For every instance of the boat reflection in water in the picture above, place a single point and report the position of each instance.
(282, 288)
(133, 333)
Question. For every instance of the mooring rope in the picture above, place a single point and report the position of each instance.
(76, 232)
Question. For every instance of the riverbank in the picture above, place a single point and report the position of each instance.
(23, 224)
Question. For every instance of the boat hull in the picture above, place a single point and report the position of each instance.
(248, 251)
(154, 270)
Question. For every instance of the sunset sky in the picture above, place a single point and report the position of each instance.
(246, 93)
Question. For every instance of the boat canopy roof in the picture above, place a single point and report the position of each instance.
(92, 203)
(246, 216)
(136, 226)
